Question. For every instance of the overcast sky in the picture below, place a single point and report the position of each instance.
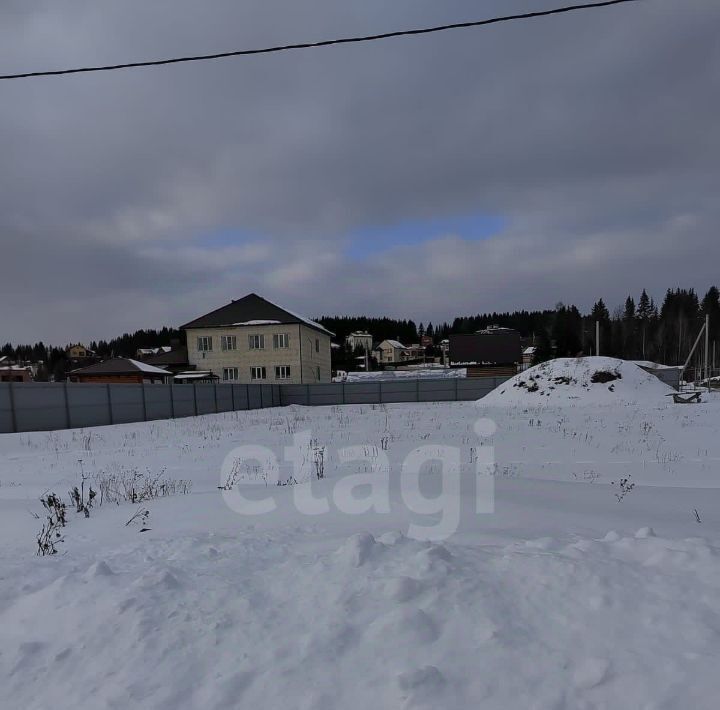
(514, 166)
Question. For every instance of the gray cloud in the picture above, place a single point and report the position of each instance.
(593, 134)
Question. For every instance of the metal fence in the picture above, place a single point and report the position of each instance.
(40, 406)
(449, 389)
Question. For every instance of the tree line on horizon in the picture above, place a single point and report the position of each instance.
(637, 330)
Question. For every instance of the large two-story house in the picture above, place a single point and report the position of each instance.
(252, 340)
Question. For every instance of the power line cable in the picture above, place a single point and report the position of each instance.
(322, 43)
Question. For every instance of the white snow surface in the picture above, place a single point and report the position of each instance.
(563, 597)
(149, 368)
(569, 381)
(259, 322)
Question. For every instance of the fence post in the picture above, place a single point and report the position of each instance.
(380, 392)
(194, 386)
(456, 389)
(262, 400)
(109, 399)
(13, 414)
(247, 396)
(232, 397)
(144, 403)
(215, 394)
(68, 420)
(172, 401)
(417, 389)
(343, 392)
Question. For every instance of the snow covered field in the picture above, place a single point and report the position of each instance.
(576, 592)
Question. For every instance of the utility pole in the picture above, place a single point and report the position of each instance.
(707, 349)
(597, 338)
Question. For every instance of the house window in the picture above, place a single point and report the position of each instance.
(282, 372)
(204, 343)
(228, 342)
(258, 373)
(256, 342)
(317, 345)
(230, 373)
(281, 340)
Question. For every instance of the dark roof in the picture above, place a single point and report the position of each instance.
(251, 308)
(120, 366)
(174, 357)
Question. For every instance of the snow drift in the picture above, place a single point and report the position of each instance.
(587, 380)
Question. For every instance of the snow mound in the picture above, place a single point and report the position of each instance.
(586, 381)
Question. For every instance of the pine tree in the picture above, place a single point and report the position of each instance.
(629, 311)
(543, 349)
(600, 312)
(644, 309)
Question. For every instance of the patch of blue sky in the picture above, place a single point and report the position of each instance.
(366, 241)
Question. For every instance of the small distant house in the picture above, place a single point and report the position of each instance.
(416, 351)
(393, 352)
(78, 352)
(360, 339)
(14, 373)
(390, 351)
(143, 353)
(120, 370)
(528, 356)
(253, 340)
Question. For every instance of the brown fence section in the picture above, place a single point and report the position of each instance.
(40, 406)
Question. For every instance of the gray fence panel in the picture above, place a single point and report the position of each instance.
(6, 415)
(362, 392)
(127, 403)
(39, 406)
(437, 390)
(401, 391)
(240, 396)
(224, 398)
(183, 400)
(88, 405)
(205, 396)
(325, 394)
(476, 388)
(294, 394)
(267, 395)
(158, 402)
(255, 397)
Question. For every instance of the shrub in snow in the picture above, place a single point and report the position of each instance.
(625, 486)
(603, 376)
(135, 486)
(78, 499)
(140, 518)
(50, 535)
